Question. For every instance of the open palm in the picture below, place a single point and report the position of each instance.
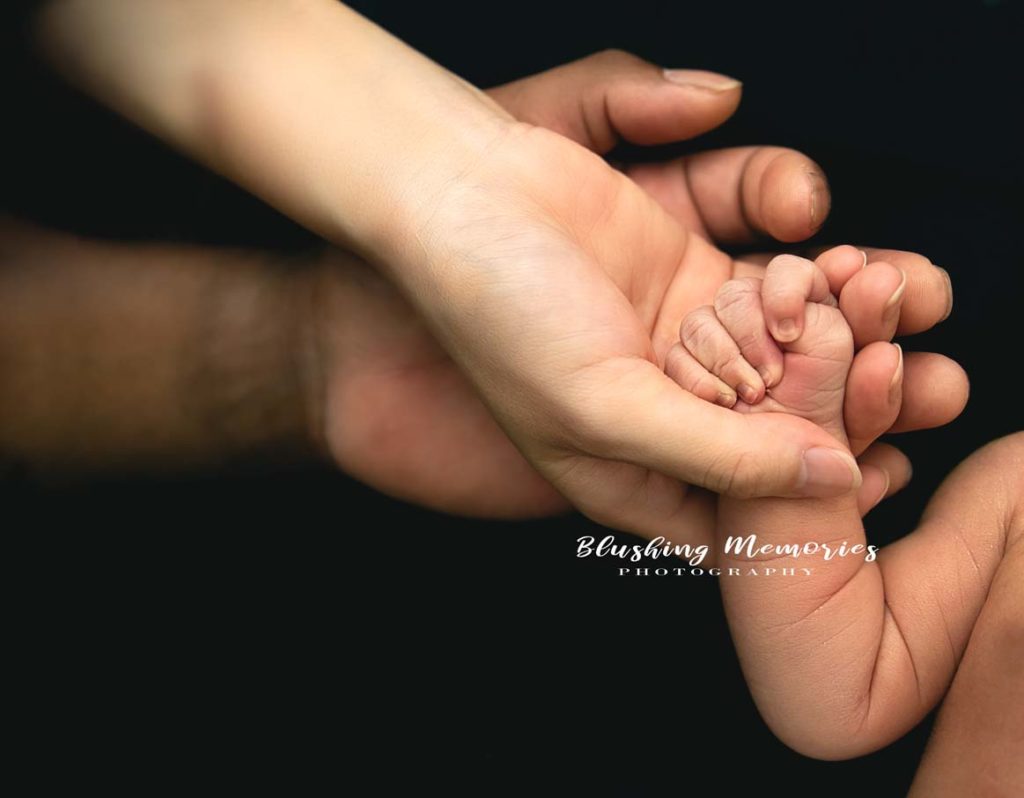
(610, 270)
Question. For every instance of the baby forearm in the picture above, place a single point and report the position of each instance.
(806, 632)
(848, 658)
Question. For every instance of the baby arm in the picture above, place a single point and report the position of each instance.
(847, 658)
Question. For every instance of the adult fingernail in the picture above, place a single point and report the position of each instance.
(698, 79)
(885, 489)
(896, 383)
(949, 293)
(820, 200)
(786, 331)
(892, 304)
(827, 472)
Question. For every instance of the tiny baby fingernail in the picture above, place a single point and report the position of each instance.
(827, 472)
(786, 330)
(749, 393)
(767, 376)
(865, 256)
(698, 79)
(726, 399)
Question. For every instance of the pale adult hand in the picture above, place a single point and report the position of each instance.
(401, 416)
(556, 282)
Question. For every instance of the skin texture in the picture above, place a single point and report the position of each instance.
(975, 747)
(865, 649)
(149, 357)
(554, 282)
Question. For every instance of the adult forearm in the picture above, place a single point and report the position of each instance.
(117, 356)
(303, 102)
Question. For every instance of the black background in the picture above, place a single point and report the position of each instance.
(275, 624)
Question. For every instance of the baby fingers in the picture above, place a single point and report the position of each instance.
(789, 283)
(708, 342)
(739, 309)
(684, 368)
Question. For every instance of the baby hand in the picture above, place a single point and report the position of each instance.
(790, 324)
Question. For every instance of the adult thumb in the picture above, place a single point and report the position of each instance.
(611, 95)
(652, 422)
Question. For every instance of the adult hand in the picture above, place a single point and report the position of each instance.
(556, 282)
(401, 416)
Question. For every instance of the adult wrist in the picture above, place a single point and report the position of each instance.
(257, 372)
(152, 357)
(306, 104)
